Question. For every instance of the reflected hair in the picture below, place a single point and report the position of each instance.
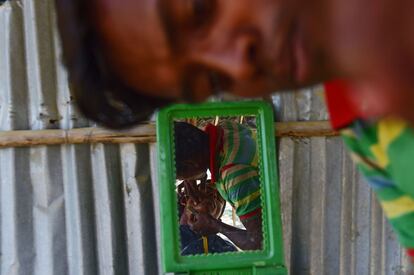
(190, 142)
(99, 93)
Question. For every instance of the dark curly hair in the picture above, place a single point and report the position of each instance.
(100, 94)
(191, 143)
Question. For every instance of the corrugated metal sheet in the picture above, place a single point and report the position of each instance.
(91, 209)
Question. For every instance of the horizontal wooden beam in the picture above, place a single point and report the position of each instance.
(304, 129)
(144, 133)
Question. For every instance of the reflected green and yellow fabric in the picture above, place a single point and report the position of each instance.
(238, 179)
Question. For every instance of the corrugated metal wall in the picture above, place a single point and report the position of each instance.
(92, 209)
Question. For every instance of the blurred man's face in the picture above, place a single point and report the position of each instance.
(173, 48)
(186, 48)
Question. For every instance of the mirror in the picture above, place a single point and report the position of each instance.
(218, 184)
(218, 189)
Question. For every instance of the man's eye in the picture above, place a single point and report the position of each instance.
(201, 12)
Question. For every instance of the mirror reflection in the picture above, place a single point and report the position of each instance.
(218, 184)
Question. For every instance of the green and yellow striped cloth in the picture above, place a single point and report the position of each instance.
(384, 153)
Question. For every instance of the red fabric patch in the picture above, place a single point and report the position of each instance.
(341, 109)
(251, 214)
(410, 252)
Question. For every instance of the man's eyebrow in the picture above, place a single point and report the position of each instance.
(168, 25)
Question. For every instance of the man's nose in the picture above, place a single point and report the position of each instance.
(235, 57)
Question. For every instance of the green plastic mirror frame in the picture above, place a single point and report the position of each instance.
(270, 260)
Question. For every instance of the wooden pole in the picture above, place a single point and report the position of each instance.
(305, 129)
(144, 133)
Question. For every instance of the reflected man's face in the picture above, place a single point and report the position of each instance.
(176, 48)
(206, 201)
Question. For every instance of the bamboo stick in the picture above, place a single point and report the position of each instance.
(144, 133)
